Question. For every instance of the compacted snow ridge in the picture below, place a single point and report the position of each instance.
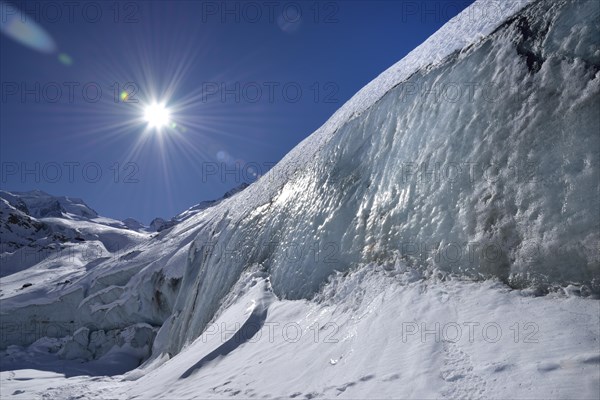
(437, 238)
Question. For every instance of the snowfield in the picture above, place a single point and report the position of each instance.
(438, 237)
(372, 334)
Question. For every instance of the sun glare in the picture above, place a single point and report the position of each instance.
(157, 115)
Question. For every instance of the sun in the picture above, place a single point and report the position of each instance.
(157, 115)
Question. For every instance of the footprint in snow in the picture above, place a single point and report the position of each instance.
(457, 371)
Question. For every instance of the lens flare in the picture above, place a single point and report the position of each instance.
(20, 27)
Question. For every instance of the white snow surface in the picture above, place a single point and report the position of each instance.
(52, 236)
(438, 237)
(381, 332)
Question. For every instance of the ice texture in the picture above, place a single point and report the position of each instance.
(478, 156)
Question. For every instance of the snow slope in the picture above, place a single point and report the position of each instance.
(450, 190)
(159, 224)
(373, 334)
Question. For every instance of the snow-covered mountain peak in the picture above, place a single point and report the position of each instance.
(40, 204)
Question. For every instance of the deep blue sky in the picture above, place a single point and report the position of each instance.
(183, 52)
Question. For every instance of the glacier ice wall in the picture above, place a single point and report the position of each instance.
(479, 158)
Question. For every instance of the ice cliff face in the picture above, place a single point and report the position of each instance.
(482, 164)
